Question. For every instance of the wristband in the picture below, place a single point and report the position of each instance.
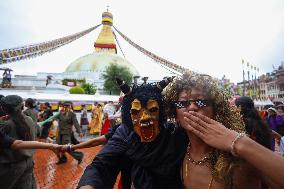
(70, 148)
(239, 136)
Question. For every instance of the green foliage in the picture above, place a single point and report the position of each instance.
(76, 90)
(76, 81)
(111, 73)
(89, 88)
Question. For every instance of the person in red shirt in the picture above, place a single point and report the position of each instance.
(106, 124)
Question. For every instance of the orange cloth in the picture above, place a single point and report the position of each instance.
(96, 122)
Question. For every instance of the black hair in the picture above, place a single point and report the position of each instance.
(47, 104)
(254, 125)
(30, 103)
(22, 129)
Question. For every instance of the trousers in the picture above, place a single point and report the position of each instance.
(17, 175)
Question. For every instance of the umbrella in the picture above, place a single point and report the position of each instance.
(6, 69)
(49, 76)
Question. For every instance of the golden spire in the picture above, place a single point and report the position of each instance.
(105, 42)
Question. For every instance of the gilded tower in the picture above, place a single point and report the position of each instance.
(105, 41)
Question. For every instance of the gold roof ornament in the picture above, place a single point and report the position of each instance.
(105, 41)
(107, 18)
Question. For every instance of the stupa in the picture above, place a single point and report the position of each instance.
(92, 66)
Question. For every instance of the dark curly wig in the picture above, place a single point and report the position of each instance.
(143, 93)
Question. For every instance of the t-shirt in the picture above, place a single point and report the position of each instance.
(5, 140)
(109, 109)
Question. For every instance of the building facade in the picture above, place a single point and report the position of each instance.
(267, 86)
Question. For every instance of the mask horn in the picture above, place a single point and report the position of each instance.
(123, 86)
(162, 84)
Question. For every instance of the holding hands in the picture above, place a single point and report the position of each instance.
(210, 131)
(56, 148)
(61, 148)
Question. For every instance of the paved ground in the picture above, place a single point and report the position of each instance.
(65, 176)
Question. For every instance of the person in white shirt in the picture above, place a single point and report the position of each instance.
(109, 108)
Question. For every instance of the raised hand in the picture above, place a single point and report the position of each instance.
(210, 131)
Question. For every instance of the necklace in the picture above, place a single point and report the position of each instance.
(201, 162)
(186, 177)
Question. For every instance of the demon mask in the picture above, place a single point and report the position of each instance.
(143, 108)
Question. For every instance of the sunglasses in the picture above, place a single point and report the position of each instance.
(200, 103)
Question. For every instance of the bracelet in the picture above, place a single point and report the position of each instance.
(239, 136)
(70, 148)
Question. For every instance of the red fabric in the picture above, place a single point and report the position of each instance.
(110, 46)
(105, 127)
(120, 99)
(262, 114)
(119, 184)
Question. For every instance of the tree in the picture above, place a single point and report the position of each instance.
(74, 81)
(89, 88)
(76, 90)
(113, 71)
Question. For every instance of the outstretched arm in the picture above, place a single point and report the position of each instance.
(11, 143)
(217, 135)
(91, 143)
(95, 141)
(19, 145)
(50, 119)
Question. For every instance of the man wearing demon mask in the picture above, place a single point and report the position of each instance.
(145, 148)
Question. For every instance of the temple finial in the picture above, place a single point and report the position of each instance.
(105, 41)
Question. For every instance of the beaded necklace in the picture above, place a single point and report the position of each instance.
(202, 162)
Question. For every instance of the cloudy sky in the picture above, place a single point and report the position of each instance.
(206, 36)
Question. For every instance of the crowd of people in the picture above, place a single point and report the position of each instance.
(24, 125)
(179, 133)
